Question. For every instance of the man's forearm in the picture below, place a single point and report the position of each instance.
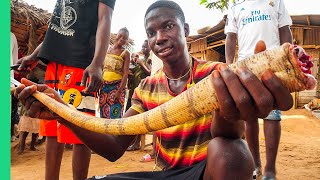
(108, 146)
(222, 127)
(123, 81)
(35, 53)
(145, 69)
(102, 34)
(285, 35)
(230, 47)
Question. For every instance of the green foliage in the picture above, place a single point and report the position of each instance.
(217, 4)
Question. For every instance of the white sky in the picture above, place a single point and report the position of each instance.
(130, 14)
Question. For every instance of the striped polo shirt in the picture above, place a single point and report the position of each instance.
(182, 145)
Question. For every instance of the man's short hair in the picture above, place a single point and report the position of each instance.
(167, 4)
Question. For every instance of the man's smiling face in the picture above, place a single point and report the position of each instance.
(166, 34)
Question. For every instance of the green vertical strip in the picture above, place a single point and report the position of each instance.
(5, 89)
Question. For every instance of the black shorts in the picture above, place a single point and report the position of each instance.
(194, 172)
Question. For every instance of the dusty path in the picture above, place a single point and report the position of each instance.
(298, 157)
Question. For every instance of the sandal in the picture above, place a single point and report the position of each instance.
(257, 173)
(268, 178)
(147, 158)
(132, 148)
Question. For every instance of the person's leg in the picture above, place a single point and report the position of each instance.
(81, 154)
(272, 131)
(151, 156)
(252, 138)
(41, 140)
(135, 144)
(80, 161)
(128, 105)
(22, 141)
(33, 141)
(228, 159)
(48, 129)
(14, 116)
(154, 139)
(54, 152)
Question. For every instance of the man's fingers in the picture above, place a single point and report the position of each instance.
(263, 99)
(29, 101)
(238, 92)
(34, 109)
(27, 82)
(18, 90)
(84, 78)
(260, 46)
(26, 92)
(40, 87)
(90, 87)
(228, 108)
(23, 64)
(94, 84)
(282, 96)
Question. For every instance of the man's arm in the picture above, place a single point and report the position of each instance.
(124, 75)
(36, 51)
(145, 67)
(102, 34)
(29, 62)
(230, 47)
(108, 146)
(94, 70)
(14, 50)
(221, 127)
(285, 34)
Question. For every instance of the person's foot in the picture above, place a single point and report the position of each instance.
(133, 147)
(32, 148)
(268, 178)
(13, 138)
(20, 149)
(257, 173)
(269, 175)
(147, 158)
(40, 141)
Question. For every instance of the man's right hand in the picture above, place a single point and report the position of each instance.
(33, 107)
(27, 63)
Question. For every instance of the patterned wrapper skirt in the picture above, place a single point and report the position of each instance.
(108, 107)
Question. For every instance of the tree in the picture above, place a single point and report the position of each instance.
(217, 4)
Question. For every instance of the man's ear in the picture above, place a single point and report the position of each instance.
(186, 29)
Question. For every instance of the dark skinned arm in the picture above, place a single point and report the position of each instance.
(125, 74)
(94, 70)
(230, 47)
(108, 146)
(145, 67)
(100, 143)
(285, 35)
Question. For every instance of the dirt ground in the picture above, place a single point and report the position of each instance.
(298, 157)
